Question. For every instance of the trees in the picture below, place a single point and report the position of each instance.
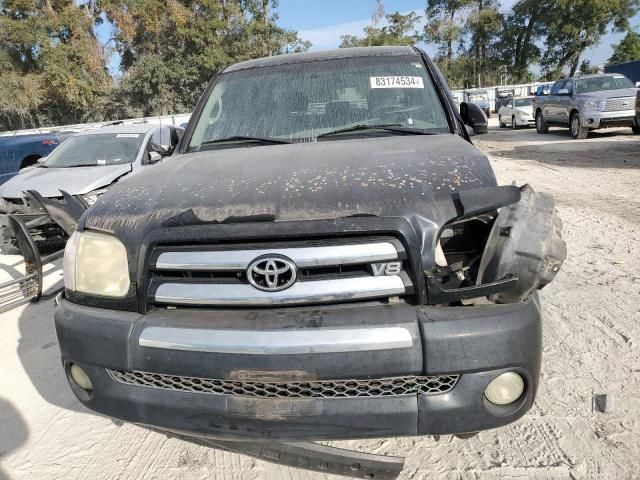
(170, 49)
(483, 26)
(445, 25)
(399, 30)
(628, 50)
(52, 64)
(575, 25)
(475, 40)
(522, 28)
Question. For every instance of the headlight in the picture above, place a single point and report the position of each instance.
(592, 104)
(92, 197)
(96, 263)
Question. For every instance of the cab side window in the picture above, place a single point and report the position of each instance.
(559, 85)
(569, 86)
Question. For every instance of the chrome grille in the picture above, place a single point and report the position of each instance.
(385, 387)
(326, 272)
(620, 104)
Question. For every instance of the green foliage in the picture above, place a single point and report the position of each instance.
(170, 49)
(586, 68)
(52, 64)
(575, 25)
(445, 24)
(400, 30)
(628, 50)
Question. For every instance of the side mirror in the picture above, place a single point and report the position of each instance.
(154, 157)
(473, 116)
(563, 91)
(161, 141)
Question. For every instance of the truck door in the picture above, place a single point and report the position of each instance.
(551, 107)
(565, 102)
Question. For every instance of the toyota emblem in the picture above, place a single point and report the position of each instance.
(271, 273)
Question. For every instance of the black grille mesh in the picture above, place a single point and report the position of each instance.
(432, 385)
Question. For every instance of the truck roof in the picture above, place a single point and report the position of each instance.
(291, 58)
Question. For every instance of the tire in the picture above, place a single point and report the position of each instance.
(514, 125)
(541, 125)
(488, 112)
(577, 131)
(502, 124)
(636, 129)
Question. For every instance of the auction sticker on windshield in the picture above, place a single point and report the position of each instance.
(396, 82)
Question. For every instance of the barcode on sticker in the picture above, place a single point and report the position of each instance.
(396, 82)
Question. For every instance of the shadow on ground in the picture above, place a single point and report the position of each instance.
(597, 151)
(13, 432)
(556, 134)
(40, 357)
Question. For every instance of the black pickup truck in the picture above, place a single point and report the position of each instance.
(327, 257)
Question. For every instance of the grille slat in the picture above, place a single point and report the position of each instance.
(407, 385)
(323, 272)
(618, 104)
(304, 257)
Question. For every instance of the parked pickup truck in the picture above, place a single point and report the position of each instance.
(328, 257)
(586, 103)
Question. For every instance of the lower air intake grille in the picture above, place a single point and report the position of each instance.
(313, 389)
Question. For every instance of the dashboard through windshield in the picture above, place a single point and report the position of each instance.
(303, 101)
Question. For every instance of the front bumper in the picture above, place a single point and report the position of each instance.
(477, 343)
(623, 118)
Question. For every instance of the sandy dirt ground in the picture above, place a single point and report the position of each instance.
(591, 346)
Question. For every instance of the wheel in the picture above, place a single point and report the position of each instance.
(488, 113)
(514, 125)
(577, 131)
(502, 124)
(636, 129)
(541, 125)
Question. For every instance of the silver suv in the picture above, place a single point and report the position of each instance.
(588, 102)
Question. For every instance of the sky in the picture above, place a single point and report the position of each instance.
(323, 22)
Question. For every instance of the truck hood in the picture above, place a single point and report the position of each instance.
(385, 176)
(76, 181)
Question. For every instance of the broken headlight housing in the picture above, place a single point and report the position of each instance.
(96, 264)
(504, 255)
(92, 197)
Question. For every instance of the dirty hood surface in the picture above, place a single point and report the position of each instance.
(49, 181)
(385, 176)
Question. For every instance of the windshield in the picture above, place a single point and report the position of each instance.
(605, 82)
(477, 98)
(523, 102)
(96, 150)
(298, 102)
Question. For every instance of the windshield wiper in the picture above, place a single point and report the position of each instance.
(388, 127)
(240, 138)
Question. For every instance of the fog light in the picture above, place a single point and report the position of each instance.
(505, 389)
(81, 378)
